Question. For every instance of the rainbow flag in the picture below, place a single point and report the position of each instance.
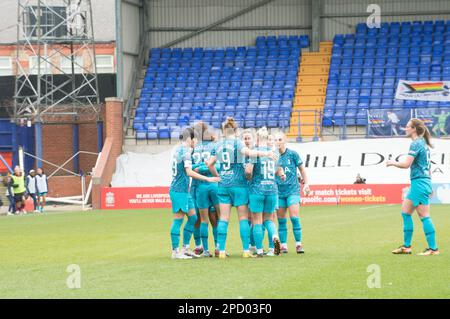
(425, 87)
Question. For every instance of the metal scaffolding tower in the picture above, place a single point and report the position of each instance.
(55, 60)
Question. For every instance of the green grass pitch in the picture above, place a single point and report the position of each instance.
(126, 254)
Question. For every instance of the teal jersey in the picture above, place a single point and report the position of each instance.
(421, 165)
(263, 181)
(231, 163)
(290, 160)
(202, 152)
(181, 159)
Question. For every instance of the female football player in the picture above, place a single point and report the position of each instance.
(205, 193)
(263, 195)
(230, 153)
(179, 194)
(418, 159)
(247, 138)
(289, 193)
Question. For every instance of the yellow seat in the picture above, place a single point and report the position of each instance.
(315, 59)
(311, 90)
(314, 69)
(313, 79)
(309, 100)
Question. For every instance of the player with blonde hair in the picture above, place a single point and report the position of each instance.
(230, 153)
(263, 194)
(289, 193)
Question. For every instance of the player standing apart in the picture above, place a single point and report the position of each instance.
(41, 189)
(418, 197)
(289, 193)
(179, 195)
(263, 195)
(233, 187)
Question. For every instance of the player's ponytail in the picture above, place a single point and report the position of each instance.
(422, 130)
(229, 126)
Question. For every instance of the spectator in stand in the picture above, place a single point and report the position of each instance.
(18, 184)
(41, 188)
(359, 180)
(31, 188)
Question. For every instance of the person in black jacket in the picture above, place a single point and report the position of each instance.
(359, 180)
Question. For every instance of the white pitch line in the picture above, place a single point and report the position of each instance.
(376, 206)
(369, 207)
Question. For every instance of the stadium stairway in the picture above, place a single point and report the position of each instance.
(310, 92)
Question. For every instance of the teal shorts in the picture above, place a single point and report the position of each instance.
(42, 194)
(420, 191)
(236, 196)
(206, 195)
(263, 203)
(181, 201)
(288, 201)
(193, 191)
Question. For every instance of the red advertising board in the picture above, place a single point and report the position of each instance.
(356, 194)
(135, 197)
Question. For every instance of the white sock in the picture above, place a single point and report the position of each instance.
(246, 251)
(260, 251)
(298, 243)
(199, 247)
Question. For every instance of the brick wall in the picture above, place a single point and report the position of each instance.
(57, 146)
(87, 142)
(63, 186)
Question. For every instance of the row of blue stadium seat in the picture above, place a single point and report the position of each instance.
(250, 61)
(218, 94)
(225, 55)
(269, 98)
(221, 66)
(219, 85)
(347, 82)
(185, 85)
(380, 102)
(238, 57)
(153, 118)
(395, 51)
(413, 38)
(270, 61)
(142, 112)
(255, 87)
(380, 61)
(166, 132)
(226, 79)
(251, 50)
(217, 74)
(382, 72)
(219, 105)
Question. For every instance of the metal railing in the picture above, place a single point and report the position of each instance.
(137, 67)
(314, 119)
